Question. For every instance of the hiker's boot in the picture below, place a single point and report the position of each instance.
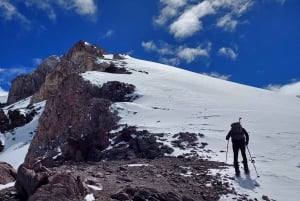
(246, 168)
(237, 169)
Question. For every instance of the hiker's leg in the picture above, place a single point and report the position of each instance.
(245, 161)
(235, 157)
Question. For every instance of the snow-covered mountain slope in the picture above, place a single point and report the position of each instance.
(17, 141)
(173, 100)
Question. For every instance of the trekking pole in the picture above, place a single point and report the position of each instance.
(227, 150)
(252, 161)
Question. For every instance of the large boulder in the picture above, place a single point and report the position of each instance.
(7, 173)
(26, 85)
(62, 186)
(28, 181)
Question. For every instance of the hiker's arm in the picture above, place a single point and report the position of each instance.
(228, 135)
(247, 136)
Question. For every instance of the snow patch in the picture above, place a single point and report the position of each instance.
(96, 188)
(89, 197)
(8, 185)
(139, 165)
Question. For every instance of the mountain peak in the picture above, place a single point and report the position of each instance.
(85, 47)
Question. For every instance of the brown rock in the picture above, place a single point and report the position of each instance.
(80, 58)
(75, 121)
(60, 186)
(26, 85)
(28, 181)
(7, 173)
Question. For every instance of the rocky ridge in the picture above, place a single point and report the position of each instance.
(26, 85)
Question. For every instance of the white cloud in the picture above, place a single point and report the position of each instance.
(15, 71)
(170, 10)
(162, 48)
(170, 61)
(178, 54)
(189, 22)
(9, 12)
(190, 54)
(149, 46)
(109, 33)
(281, 1)
(37, 61)
(85, 7)
(217, 75)
(228, 52)
(184, 18)
(227, 23)
(288, 89)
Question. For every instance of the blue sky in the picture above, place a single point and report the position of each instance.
(253, 42)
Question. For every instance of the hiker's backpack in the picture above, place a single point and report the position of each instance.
(237, 131)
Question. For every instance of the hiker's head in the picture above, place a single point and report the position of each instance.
(235, 124)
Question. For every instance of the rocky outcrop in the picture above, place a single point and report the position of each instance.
(130, 143)
(75, 123)
(7, 173)
(62, 186)
(26, 85)
(15, 118)
(80, 58)
(47, 185)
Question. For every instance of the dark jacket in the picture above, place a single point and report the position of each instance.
(240, 135)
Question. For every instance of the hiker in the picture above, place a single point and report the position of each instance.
(240, 139)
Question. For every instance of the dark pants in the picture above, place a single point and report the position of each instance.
(239, 145)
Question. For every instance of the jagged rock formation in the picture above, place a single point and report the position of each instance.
(26, 85)
(7, 173)
(77, 120)
(80, 58)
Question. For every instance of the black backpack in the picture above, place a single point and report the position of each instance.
(237, 131)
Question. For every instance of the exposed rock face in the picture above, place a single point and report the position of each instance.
(7, 173)
(80, 58)
(75, 122)
(26, 85)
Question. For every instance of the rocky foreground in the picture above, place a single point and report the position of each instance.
(166, 178)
